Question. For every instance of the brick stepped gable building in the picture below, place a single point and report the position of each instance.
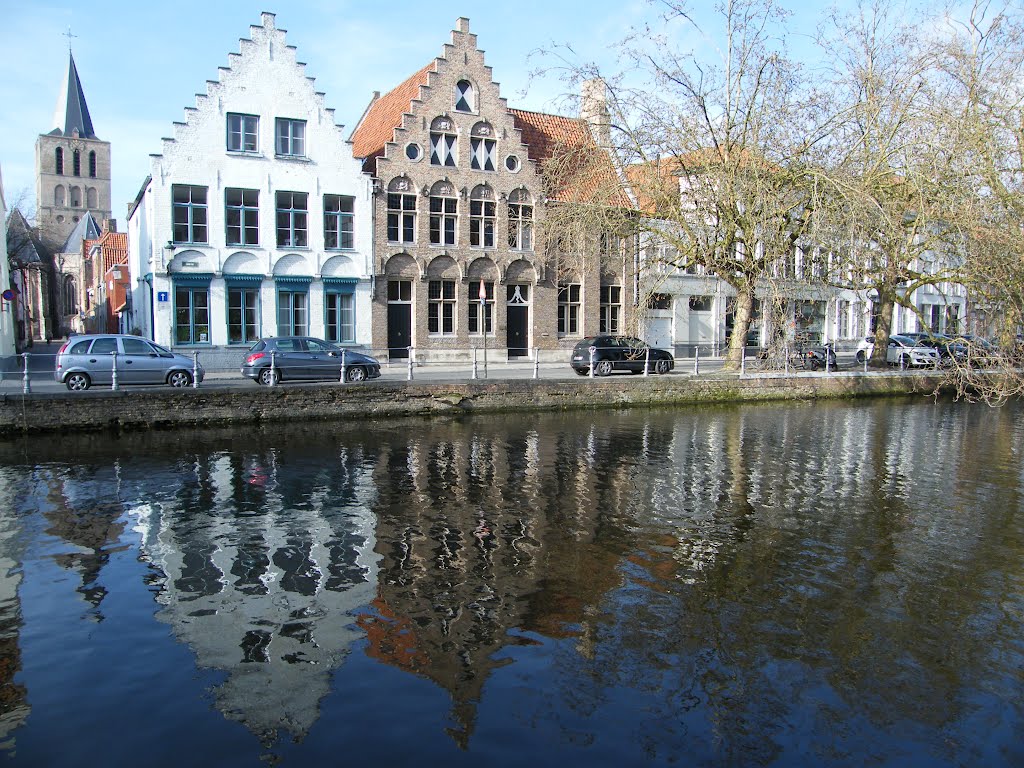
(460, 200)
(255, 219)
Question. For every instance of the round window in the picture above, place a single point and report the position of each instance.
(413, 151)
(512, 163)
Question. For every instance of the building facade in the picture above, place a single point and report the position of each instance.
(255, 219)
(461, 263)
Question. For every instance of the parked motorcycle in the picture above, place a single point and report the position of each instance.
(815, 358)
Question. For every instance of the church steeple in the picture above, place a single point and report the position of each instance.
(72, 112)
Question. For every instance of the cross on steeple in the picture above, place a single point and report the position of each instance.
(68, 35)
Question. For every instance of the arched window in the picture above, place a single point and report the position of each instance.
(464, 96)
(76, 163)
(481, 217)
(90, 197)
(442, 142)
(520, 220)
(92, 164)
(444, 214)
(58, 196)
(70, 296)
(58, 160)
(76, 197)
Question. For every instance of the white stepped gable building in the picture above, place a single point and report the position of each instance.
(255, 219)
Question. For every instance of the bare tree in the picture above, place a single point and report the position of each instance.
(980, 59)
(890, 200)
(718, 158)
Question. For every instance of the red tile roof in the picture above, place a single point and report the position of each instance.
(385, 115)
(113, 247)
(585, 172)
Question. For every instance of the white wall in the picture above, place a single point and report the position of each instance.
(263, 79)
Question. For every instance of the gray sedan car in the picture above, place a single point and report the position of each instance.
(290, 358)
(93, 358)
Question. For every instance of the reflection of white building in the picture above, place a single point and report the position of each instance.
(270, 597)
(14, 706)
(255, 219)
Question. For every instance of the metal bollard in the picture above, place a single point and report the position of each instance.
(195, 369)
(647, 360)
(828, 360)
(743, 360)
(696, 361)
(785, 358)
(865, 363)
(26, 387)
(113, 370)
(536, 362)
(593, 352)
(273, 367)
(474, 363)
(409, 350)
(344, 368)
(903, 362)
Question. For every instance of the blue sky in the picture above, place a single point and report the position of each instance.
(141, 64)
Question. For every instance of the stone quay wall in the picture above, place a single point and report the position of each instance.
(97, 410)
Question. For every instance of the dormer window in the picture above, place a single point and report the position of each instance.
(464, 96)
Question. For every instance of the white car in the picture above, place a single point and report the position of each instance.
(907, 353)
(903, 351)
(864, 348)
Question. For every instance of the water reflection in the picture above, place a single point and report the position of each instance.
(827, 584)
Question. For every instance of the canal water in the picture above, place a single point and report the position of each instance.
(780, 585)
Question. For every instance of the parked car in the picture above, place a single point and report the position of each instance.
(909, 353)
(305, 358)
(979, 351)
(950, 350)
(619, 353)
(864, 348)
(89, 359)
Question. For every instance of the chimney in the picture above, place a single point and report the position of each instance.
(109, 225)
(594, 109)
(462, 24)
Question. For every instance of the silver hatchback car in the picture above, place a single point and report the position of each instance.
(90, 359)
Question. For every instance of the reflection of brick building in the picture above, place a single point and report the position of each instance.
(485, 537)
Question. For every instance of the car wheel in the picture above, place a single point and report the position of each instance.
(661, 367)
(268, 378)
(860, 356)
(579, 372)
(77, 382)
(355, 374)
(602, 368)
(179, 379)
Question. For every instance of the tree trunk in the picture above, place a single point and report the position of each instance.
(882, 330)
(740, 327)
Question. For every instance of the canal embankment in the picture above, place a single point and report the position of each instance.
(142, 409)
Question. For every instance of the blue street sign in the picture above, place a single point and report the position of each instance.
(162, 296)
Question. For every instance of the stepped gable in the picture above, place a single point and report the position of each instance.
(265, 36)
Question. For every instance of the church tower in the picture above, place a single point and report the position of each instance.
(72, 166)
